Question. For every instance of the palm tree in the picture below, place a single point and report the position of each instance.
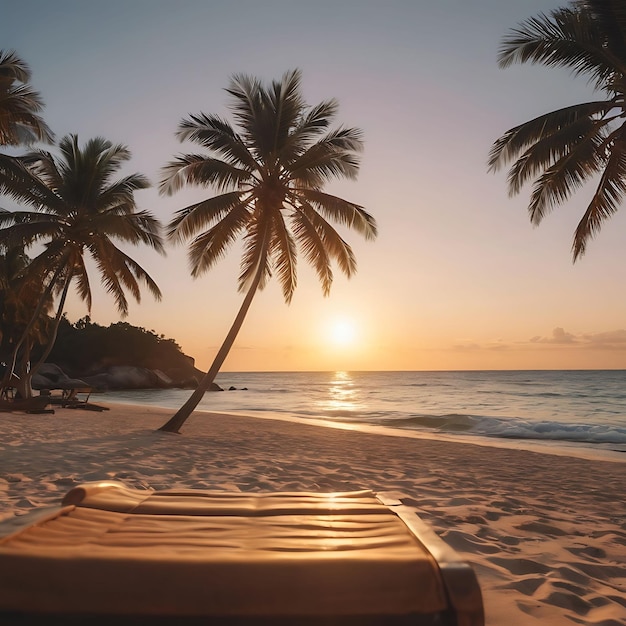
(78, 211)
(269, 173)
(566, 148)
(19, 295)
(19, 104)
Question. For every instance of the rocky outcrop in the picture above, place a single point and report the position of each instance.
(51, 376)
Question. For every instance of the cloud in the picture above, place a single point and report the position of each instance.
(608, 340)
(613, 338)
(467, 347)
(559, 335)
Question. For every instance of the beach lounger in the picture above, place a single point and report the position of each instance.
(115, 555)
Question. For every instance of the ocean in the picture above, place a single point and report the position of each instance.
(570, 407)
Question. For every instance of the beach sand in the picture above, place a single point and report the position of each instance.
(545, 533)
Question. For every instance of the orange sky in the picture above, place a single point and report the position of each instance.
(458, 278)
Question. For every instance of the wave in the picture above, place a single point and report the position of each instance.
(512, 428)
(586, 408)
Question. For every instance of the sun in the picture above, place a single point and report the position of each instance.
(343, 332)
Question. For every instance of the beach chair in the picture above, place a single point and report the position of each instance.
(115, 555)
(75, 397)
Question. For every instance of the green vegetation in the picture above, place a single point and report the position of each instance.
(85, 346)
(269, 171)
(79, 212)
(20, 122)
(566, 148)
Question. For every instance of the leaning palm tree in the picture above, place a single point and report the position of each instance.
(19, 104)
(269, 173)
(566, 148)
(80, 211)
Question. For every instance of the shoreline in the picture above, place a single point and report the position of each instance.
(545, 533)
(555, 447)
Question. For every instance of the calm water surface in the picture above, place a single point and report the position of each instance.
(587, 407)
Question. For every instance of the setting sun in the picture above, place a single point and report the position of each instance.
(343, 332)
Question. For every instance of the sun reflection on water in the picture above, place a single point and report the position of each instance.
(343, 397)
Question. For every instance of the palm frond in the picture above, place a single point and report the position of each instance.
(19, 104)
(246, 92)
(313, 249)
(218, 135)
(13, 67)
(575, 141)
(335, 246)
(339, 210)
(83, 287)
(210, 246)
(189, 220)
(136, 228)
(122, 273)
(559, 181)
(517, 139)
(21, 181)
(569, 37)
(255, 255)
(27, 227)
(608, 196)
(283, 109)
(120, 195)
(282, 252)
(312, 124)
(196, 169)
(334, 156)
(610, 16)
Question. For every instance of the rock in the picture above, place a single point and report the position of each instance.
(125, 377)
(50, 376)
(163, 380)
(103, 378)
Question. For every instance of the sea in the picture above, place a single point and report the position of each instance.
(582, 408)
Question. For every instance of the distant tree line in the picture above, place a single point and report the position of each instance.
(85, 345)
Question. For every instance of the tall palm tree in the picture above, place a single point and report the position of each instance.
(566, 148)
(269, 172)
(79, 211)
(19, 104)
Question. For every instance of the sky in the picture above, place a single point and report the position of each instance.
(457, 279)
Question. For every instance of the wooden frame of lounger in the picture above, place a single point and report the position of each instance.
(128, 556)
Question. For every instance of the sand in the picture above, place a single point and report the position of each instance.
(545, 533)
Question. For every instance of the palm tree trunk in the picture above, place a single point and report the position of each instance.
(175, 423)
(40, 304)
(55, 329)
(21, 381)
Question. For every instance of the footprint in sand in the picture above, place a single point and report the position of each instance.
(465, 542)
(573, 575)
(569, 601)
(526, 585)
(589, 551)
(541, 528)
(521, 567)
